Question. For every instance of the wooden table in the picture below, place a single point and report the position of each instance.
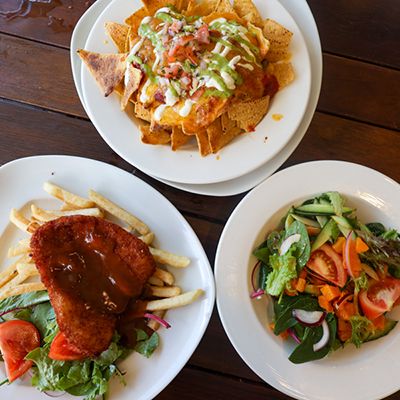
(357, 120)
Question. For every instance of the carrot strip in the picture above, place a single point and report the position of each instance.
(361, 246)
(324, 303)
(330, 292)
(338, 245)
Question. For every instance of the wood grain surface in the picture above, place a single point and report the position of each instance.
(357, 120)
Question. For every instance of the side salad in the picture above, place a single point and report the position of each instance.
(332, 278)
(28, 326)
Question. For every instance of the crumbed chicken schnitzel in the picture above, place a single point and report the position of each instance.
(91, 268)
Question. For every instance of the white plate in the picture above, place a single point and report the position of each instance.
(21, 182)
(187, 166)
(356, 374)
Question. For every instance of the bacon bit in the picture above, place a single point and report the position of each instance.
(203, 35)
(251, 128)
(159, 96)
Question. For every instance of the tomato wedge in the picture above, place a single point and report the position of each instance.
(327, 264)
(351, 258)
(17, 339)
(380, 297)
(62, 350)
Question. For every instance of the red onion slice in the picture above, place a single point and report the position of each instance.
(161, 321)
(252, 275)
(324, 339)
(14, 309)
(53, 394)
(285, 246)
(257, 294)
(293, 334)
(309, 318)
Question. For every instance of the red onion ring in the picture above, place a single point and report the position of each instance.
(257, 293)
(252, 275)
(156, 318)
(293, 334)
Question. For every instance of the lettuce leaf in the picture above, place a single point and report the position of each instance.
(146, 344)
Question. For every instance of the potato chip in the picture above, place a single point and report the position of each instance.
(118, 34)
(248, 114)
(279, 38)
(203, 143)
(248, 11)
(107, 69)
(154, 137)
(134, 76)
(178, 138)
(283, 72)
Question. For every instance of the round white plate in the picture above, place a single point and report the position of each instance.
(349, 373)
(21, 182)
(187, 166)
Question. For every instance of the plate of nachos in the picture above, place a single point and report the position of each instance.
(195, 92)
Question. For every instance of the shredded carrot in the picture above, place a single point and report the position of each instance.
(361, 246)
(344, 330)
(324, 303)
(346, 310)
(330, 292)
(301, 285)
(284, 335)
(379, 323)
(339, 244)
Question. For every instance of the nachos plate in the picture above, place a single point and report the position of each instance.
(153, 93)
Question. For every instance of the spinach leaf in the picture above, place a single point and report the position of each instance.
(376, 228)
(146, 345)
(304, 351)
(23, 300)
(262, 252)
(302, 247)
(263, 274)
(391, 234)
(284, 310)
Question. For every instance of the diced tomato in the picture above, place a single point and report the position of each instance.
(203, 35)
(17, 339)
(61, 349)
(351, 258)
(326, 263)
(171, 71)
(380, 297)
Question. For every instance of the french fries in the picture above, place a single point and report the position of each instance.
(17, 277)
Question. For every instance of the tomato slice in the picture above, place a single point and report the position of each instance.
(17, 339)
(351, 258)
(62, 350)
(326, 263)
(380, 297)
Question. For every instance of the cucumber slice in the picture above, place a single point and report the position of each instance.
(389, 325)
(328, 231)
(343, 225)
(288, 221)
(306, 221)
(319, 209)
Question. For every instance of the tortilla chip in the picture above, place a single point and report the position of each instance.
(224, 6)
(279, 38)
(203, 143)
(263, 42)
(118, 34)
(134, 78)
(153, 5)
(135, 19)
(248, 114)
(181, 5)
(219, 135)
(201, 8)
(178, 138)
(158, 136)
(142, 112)
(283, 72)
(227, 16)
(107, 69)
(248, 11)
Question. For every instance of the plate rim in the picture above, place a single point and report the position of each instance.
(199, 251)
(224, 175)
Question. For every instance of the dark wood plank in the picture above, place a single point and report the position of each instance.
(364, 29)
(37, 74)
(26, 131)
(40, 75)
(51, 22)
(362, 91)
(199, 385)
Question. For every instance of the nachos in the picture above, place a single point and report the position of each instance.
(204, 69)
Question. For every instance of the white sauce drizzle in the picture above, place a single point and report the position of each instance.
(229, 82)
(186, 108)
(170, 98)
(211, 82)
(143, 94)
(159, 111)
(247, 66)
(146, 20)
